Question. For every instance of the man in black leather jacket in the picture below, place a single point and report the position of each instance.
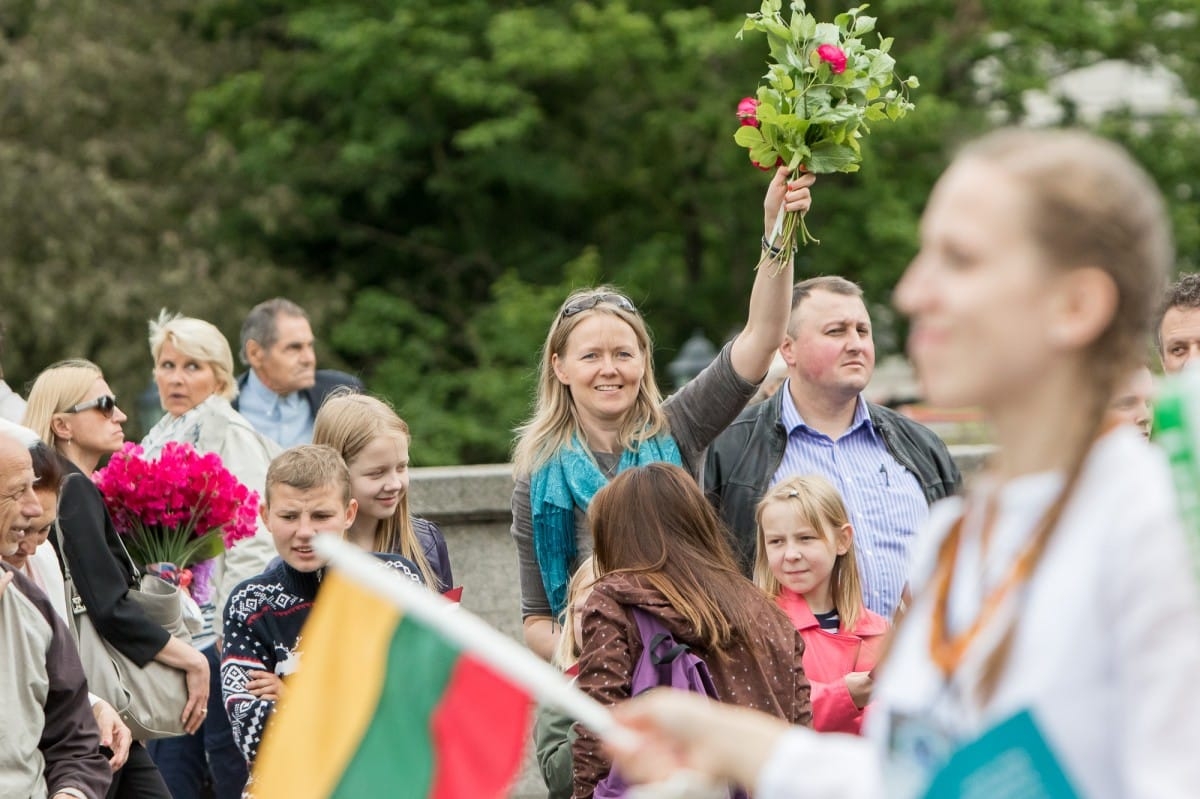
(887, 467)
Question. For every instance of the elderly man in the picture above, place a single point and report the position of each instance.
(887, 467)
(50, 745)
(283, 390)
(1178, 331)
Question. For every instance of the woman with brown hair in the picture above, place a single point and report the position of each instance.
(660, 547)
(1053, 625)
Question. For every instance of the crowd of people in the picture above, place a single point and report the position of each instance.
(860, 618)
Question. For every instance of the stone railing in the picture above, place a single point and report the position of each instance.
(471, 503)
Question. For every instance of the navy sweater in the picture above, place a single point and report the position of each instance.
(263, 620)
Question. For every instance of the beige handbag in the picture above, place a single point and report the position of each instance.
(150, 698)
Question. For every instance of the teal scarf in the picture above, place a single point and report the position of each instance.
(568, 480)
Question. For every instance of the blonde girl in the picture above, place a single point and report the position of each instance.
(552, 728)
(374, 440)
(805, 561)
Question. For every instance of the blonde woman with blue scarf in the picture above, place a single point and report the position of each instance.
(599, 411)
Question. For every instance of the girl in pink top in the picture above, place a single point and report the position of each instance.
(806, 562)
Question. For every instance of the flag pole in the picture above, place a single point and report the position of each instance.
(544, 682)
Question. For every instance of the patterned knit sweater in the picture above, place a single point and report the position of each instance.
(262, 633)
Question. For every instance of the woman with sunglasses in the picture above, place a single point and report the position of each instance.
(73, 410)
(599, 411)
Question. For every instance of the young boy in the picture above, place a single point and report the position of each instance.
(307, 493)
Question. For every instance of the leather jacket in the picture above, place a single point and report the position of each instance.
(743, 459)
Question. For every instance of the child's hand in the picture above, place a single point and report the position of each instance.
(265, 685)
(860, 685)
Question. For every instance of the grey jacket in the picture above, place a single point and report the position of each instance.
(743, 459)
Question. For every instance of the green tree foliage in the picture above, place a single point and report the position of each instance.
(430, 179)
(106, 196)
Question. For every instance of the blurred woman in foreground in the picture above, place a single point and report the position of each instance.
(1052, 636)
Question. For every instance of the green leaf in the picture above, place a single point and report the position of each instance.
(885, 44)
(766, 113)
(749, 136)
(808, 27)
(828, 157)
(765, 155)
(864, 25)
(875, 112)
(912, 82)
(827, 33)
(882, 67)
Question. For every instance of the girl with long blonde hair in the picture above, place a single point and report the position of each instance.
(374, 442)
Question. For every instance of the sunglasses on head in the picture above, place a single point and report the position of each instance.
(105, 404)
(588, 303)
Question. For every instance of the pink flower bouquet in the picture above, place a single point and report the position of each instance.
(823, 85)
(177, 512)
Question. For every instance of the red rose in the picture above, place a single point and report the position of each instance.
(747, 112)
(834, 57)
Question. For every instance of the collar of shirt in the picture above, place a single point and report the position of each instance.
(793, 421)
(264, 398)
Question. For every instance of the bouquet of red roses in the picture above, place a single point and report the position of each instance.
(177, 512)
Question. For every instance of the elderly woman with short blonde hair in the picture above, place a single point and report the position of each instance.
(193, 371)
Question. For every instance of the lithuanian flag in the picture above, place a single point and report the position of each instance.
(385, 705)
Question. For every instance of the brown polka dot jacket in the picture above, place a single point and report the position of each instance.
(762, 668)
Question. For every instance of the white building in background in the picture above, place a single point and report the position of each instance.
(1108, 86)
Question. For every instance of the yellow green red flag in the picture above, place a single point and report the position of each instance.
(383, 705)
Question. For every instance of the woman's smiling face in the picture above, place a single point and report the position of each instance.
(603, 367)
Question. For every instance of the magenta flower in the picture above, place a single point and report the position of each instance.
(747, 112)
(834, 56)
(182, 508)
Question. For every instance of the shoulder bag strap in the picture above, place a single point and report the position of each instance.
(75, 604)
(137, 573)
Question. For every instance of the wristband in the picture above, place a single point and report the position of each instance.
(771, 248)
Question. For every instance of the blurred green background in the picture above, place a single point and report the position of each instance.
(430, 179)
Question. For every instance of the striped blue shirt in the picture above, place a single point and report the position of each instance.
(887, 506)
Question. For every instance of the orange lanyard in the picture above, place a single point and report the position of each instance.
(946, 650)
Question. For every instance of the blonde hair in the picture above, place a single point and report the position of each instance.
(197, 339)
(60, 386)
(818, 504)
(308, 467)
(349, 422)
(555, 421)
(566, 654)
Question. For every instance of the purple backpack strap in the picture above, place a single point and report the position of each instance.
(664, 662)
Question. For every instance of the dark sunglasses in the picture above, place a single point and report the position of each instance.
(588, 303)
(105, 404)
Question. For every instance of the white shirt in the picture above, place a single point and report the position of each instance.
(12, 407)
(1105, 653)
